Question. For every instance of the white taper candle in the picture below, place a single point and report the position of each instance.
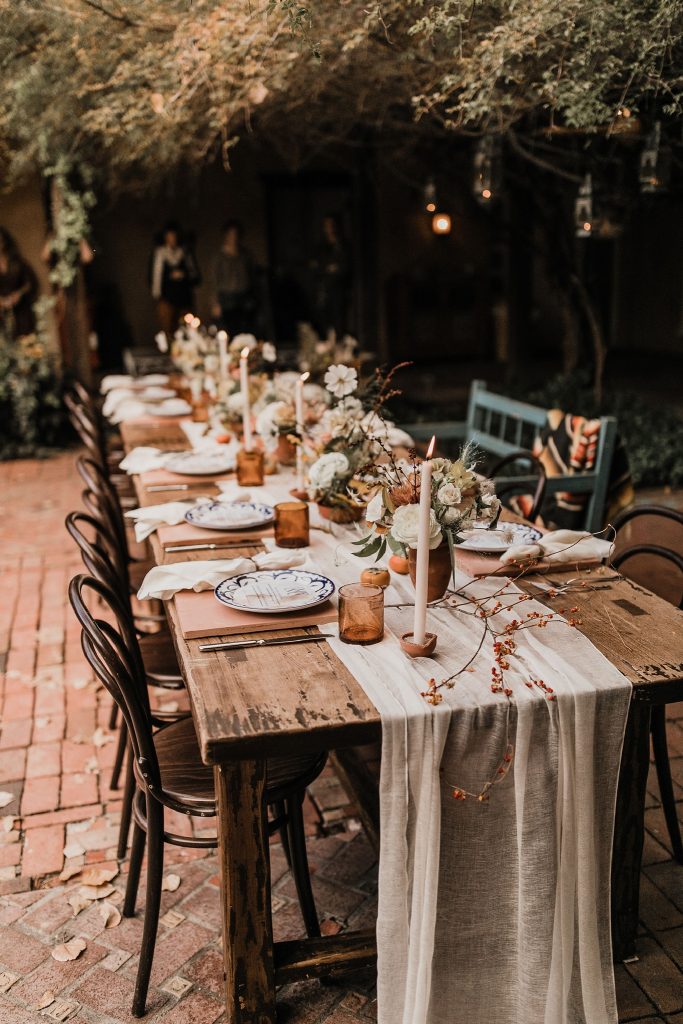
(422, 567)
(246, 407)
(299, 405)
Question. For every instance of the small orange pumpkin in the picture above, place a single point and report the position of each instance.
(376, 576)
(399, 564)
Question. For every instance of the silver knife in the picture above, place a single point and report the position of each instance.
(209, 547)
(234, 645)
(152, 488)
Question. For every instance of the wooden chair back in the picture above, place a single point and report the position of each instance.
(112, 650)
(106, 505)
(503, 426)
(99, 552)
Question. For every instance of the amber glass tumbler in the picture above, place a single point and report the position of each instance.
(291, 524)
(361, 614)
(250, 467)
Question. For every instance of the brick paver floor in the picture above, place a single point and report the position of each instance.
(59, 815)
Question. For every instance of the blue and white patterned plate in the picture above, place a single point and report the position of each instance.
(230, 515)
(201, 463)
(499, 540)
(275, 590)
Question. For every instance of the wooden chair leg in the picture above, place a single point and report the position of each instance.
(666, 790)
(137, 852)
(121, 746)
(155, 870)
(113, 715)
(280, 809)
(300, 870)
(126, 805)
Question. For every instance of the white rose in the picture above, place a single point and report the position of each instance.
(234, 403)
(449, 494)
(269, 352)
(405, 526)
(241, 341)
(341, 380)
(375, 508)
(326, 468)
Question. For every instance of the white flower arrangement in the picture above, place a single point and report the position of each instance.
(341, 380)
(459, 500)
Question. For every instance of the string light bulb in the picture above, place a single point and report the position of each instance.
(441, 224)
(487, 169)
(583, 209)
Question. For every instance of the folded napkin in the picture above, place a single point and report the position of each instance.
(163, 581)
(562, 546)
(141, 460)
(150, 518)
(115, 380)
(114, 398)
(129, 409)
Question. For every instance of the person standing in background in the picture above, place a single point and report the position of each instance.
(174, 277)
(331, 274)
(18, 290)
(233, 279)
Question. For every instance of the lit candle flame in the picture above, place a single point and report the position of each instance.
(244, 354)
(430, 450)
(188, 318)
(304, 377)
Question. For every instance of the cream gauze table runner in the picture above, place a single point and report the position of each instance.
(498, 912)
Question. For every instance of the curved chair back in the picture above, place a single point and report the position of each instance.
(99, 554)
(508, 489)
(647, 547)
(96, 479)
(113, 652)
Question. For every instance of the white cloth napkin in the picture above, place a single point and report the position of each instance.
(150, 518)
(129, 409)
(564, 546)
(114, 398)
(163, 581)
(170, 513)
(142, 459)
(115, 380)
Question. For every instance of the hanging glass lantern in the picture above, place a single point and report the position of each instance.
(583, 209)
(487, 169)
(430, 196)
(655, 163)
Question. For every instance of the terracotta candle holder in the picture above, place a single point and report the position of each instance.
(413, 650)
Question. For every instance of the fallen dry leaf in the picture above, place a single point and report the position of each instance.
(69, 871)
(91, 765)
(73, 849)
(98, 876)
(77, 902)
(96, 892)
(46, 999)
(70, 950)
(100, 737)
(8, 823)
(110, 914)
(5, 798)
(80, 684)
(170, 883)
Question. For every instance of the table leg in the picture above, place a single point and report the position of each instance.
(245, 893)
(629, 829)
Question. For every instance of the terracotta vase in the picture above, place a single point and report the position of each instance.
(440, 570)
(286, 451)
(341, 513)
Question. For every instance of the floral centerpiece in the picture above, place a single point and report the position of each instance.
(460, 499)
(317, 354)
(230, 401)
(349, 436)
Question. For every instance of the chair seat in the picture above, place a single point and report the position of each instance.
(187, 781)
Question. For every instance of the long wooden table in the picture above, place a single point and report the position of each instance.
(250, 705)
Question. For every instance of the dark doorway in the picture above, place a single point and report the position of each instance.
(297, 207)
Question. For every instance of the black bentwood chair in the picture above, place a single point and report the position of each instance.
(169, 773)
(508, 490)
(669, 557)
(159, 660)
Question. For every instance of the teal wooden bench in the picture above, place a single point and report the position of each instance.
(503, 426)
